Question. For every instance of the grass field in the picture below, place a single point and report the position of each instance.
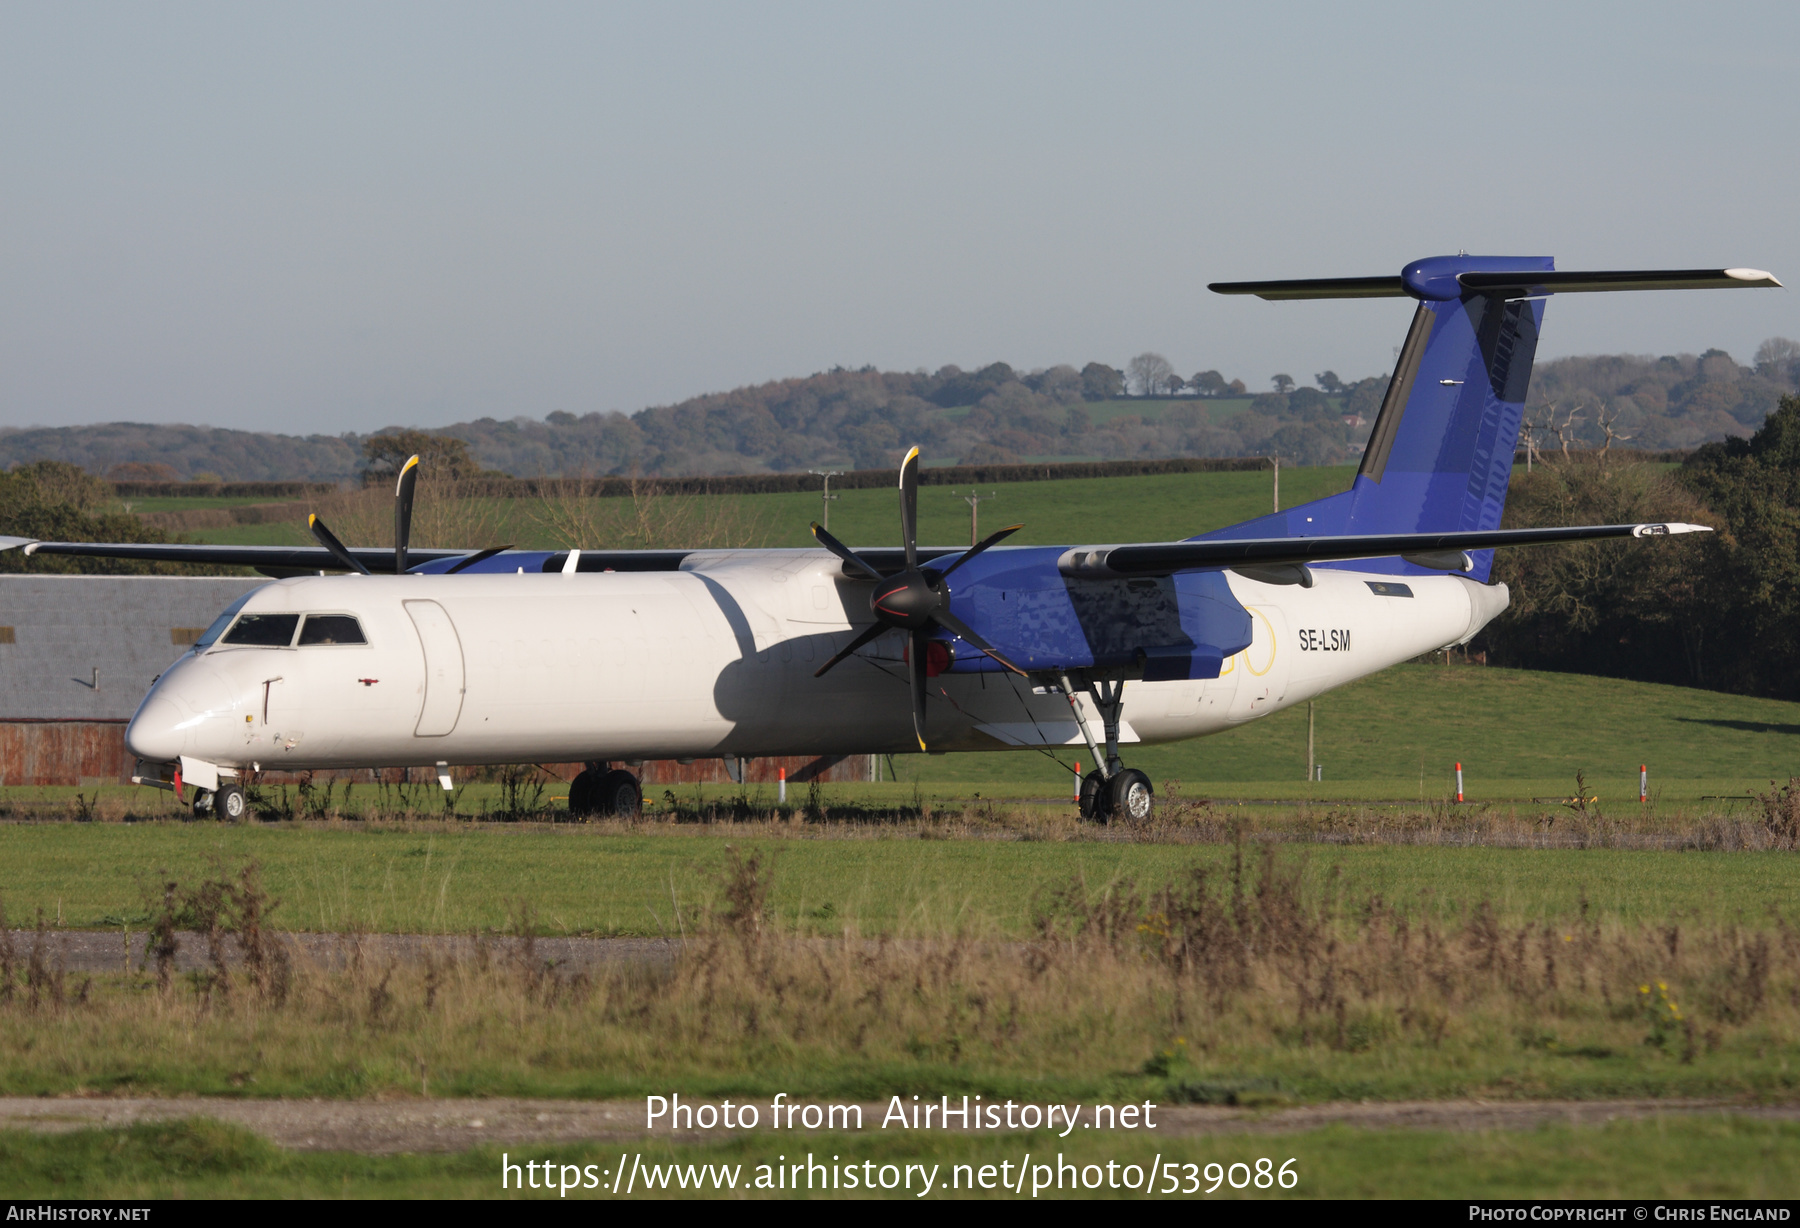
(1518, 734)
(453, 878)
(1711, 1157)
(1292, 980)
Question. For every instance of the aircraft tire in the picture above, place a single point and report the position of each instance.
(584, 801)
(230, 804)
(203, 804)
(618, 794)
(1093, 789)
(1130, 796)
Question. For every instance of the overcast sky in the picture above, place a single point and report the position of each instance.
(331, 217)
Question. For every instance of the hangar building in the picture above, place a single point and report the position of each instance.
(77, 653)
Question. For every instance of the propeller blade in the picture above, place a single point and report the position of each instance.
(844, 552)
(326, 538)
(992, 539)
(872, 633)
(963, 631)
(909, 506)
(915, 668)
(403, 503)
(480, 556)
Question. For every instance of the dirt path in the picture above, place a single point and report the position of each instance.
(384, 1127)
(101, 951)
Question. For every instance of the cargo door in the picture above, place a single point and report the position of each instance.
(444, 682)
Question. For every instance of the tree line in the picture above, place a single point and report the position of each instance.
(865, 419)
(1718, 610)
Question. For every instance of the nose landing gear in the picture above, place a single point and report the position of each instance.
(599, 792)
(226, 802)
(1114, 790)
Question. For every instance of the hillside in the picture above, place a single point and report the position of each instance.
(864, 419)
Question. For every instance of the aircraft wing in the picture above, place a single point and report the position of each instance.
(1443, 550)
(281, 558)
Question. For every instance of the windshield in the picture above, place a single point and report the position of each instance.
(219, 624)
(263, 630)
(331, 629)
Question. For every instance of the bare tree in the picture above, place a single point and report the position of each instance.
(1608, 420)
(1148, 373)
(1775, 356)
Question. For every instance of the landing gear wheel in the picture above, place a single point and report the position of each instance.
(1093, 789)
(617, 793)
(229, 803)
(584, 801)
(203, 803)
(1130, 796)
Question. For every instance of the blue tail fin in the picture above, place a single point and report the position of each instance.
(1442, 447)
(1441, 451)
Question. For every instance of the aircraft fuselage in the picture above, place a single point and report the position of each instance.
(718, 658)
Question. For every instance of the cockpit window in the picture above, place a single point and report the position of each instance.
(263, 630)
(218, 625)
(331, 629)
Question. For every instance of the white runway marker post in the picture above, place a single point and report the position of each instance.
(1643, 783)
(1459, 788)
(781, 787)
(1078, 782)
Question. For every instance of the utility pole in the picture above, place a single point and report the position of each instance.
(826, 498)
(974, 501)
(1310, 762)
(1276, 461)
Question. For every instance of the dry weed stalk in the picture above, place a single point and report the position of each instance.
(569, 512)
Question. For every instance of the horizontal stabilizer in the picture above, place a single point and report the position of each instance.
(1166, 558)
(1316, 287)
(1447, 278)
(1630, 279)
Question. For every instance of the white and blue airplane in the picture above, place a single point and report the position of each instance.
(455, 657)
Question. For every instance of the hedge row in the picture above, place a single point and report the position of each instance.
(222, 490)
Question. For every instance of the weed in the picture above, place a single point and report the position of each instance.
(1781, 812)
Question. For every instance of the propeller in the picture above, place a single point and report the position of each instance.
(916, 599)
(403, 509)
(326, 538)
(403, 503)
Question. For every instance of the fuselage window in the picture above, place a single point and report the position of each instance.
(331, 629)
(263, 631)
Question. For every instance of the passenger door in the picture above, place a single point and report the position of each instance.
(444, 681)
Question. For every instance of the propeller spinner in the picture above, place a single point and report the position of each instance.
(916, 599)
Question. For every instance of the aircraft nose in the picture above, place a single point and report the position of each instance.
(155, 733)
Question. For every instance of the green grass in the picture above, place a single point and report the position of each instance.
(1714, 1156)
(451, 878)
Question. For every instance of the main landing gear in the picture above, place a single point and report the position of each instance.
(1112, 790)
(598, 791)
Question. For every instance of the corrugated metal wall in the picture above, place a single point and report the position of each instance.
(63, 753)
